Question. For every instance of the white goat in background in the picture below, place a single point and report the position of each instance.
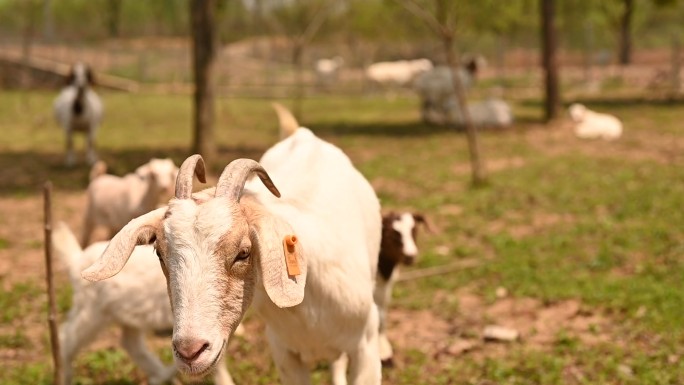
(307, 261)
(327, 70)
(79, 109)
(397, 73)
(114, 200)
(136, 300)
(594, 125)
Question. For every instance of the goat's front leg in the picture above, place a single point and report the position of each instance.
(75, 333)
(291, 369)
(133, 341)
(382, 296)
(70, 157)
(338, 370)
(364, 361)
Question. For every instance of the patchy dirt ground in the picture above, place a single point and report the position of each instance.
(539, 325)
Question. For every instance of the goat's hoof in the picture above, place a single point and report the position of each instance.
(387, 362)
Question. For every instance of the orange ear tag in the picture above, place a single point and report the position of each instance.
(291, 261)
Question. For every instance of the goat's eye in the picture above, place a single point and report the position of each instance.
(243, 254)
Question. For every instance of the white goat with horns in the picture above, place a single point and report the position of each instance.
(306, 261)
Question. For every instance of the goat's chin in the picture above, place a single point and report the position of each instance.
(200, 369)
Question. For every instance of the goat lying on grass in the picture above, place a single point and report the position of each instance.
(594, 125)
(136, 300)
(79, 109)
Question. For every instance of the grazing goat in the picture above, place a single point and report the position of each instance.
(136, 300)
(113, 200)
(327, 70)
(594, 125)
(397, 73)
(307, 262)
(398, 247)
(79, 109)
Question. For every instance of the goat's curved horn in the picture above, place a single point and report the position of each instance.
(234, 176)
(194, 165)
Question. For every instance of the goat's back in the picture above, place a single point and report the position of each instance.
(331, 197)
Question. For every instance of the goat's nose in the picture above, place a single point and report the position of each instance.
(189, 350)
(409, 260)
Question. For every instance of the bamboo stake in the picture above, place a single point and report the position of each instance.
(52, 308)
(437, 270)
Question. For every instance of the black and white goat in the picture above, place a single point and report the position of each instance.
(79, 109)
(398, 247)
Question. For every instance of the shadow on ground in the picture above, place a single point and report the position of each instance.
(417, 129)
(23, 173)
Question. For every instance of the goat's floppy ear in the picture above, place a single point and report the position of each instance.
(71, 76)
(90, 77)
(268, 234)
(144, 170)
(420, 218)
(139, 231)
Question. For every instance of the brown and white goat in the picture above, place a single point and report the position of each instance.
(398, 247)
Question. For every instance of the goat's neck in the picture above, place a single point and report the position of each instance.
(386, 265)
(149, 195)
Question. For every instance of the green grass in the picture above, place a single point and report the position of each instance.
(16, 302)
(598, 222)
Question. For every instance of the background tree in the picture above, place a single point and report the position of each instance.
(440, 16)
(300, 21)
(204, 50)
(114, 17)
(549, 59)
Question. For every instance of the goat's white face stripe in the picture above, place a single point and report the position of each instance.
(404, 226)
(192, 268)
(80, 75)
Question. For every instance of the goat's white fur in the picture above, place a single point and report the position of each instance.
(326, 311)
(404, 226)
(327, 70)
(113, 200)
(594, 125)
(89, 116)
(401, 72)
(135, 300)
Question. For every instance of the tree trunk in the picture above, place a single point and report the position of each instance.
(626, 33)
(204, 50)
(549, 60)
(48, 22)
(114, 17)
(29, 29)
(478, 173)
(676, 64)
